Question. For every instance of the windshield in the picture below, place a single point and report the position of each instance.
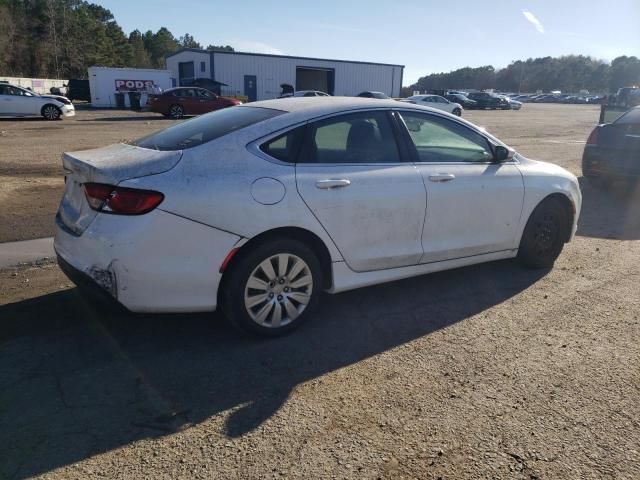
(205, 128)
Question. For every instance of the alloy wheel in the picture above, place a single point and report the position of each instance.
(50, 112)
(176, 111)
(278, 290)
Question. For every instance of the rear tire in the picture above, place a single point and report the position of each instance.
(544, 235)
(176, 111)
(272, 288)
(50, 112)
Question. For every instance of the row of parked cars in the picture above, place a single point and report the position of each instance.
(557, 98)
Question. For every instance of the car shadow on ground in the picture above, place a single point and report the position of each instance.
(76, 380)
(609, 212)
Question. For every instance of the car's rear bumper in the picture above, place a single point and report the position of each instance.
(84, 282)
(156, 262)
(600, 162)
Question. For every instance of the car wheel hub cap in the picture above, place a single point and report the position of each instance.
(278, 290)
(546, 232)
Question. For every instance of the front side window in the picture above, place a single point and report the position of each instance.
(205, 128)
(365, 137)
(204, 94)
(439, 140)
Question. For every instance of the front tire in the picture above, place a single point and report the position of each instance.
(50, 112)
(544, 235)
(457, 112)
(273, 288)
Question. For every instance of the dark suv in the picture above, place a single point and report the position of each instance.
(463, 100)
(489, 100)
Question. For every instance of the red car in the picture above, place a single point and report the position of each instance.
(181, 101)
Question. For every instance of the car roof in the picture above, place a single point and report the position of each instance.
(182, 87)
(301, 109)
(298, 110)
(314, 106)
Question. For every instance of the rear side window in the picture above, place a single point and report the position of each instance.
(285, 147)
(205, 128)
(365, 137)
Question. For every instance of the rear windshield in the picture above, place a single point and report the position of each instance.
(632, 117)
(205, 128)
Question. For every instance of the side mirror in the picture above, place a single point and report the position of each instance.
(502, 154)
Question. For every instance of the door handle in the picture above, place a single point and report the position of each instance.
(441, 177)
(331, 183)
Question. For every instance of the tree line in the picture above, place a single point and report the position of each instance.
(570, 73)
(62, 38)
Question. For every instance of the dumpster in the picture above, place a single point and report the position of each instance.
(134, 100)
(119, 99)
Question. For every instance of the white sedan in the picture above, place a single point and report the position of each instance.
(19, 102)
(257, 209)
(436, 101)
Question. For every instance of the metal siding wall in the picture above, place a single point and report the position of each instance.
(196, 58)
(270, 72)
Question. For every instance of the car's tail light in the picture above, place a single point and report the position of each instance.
(593, 136)
(120, 200)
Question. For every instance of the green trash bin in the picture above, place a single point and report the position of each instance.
(134, 100)
(119, 96)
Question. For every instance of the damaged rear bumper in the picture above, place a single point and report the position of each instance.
(156, 263)
(97, 286)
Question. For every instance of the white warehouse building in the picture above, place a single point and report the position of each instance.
(259, 76)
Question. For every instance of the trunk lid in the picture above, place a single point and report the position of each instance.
(110, 165)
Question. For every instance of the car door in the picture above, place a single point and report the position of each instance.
(205, 101)
(473, 203)
(357, 181)
(442, 104)
(6, 101)
(26, 102)
(186, 98)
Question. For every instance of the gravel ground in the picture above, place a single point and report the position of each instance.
(490, 371)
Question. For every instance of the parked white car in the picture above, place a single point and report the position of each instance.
(436, 101)
(19, 102)
(514, 104)
(258, 208)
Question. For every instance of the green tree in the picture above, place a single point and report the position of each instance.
(220, 48)
(187, 41)
(140, 55)
(159, 45)
(624, 72)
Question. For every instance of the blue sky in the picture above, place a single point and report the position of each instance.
(425, 36)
